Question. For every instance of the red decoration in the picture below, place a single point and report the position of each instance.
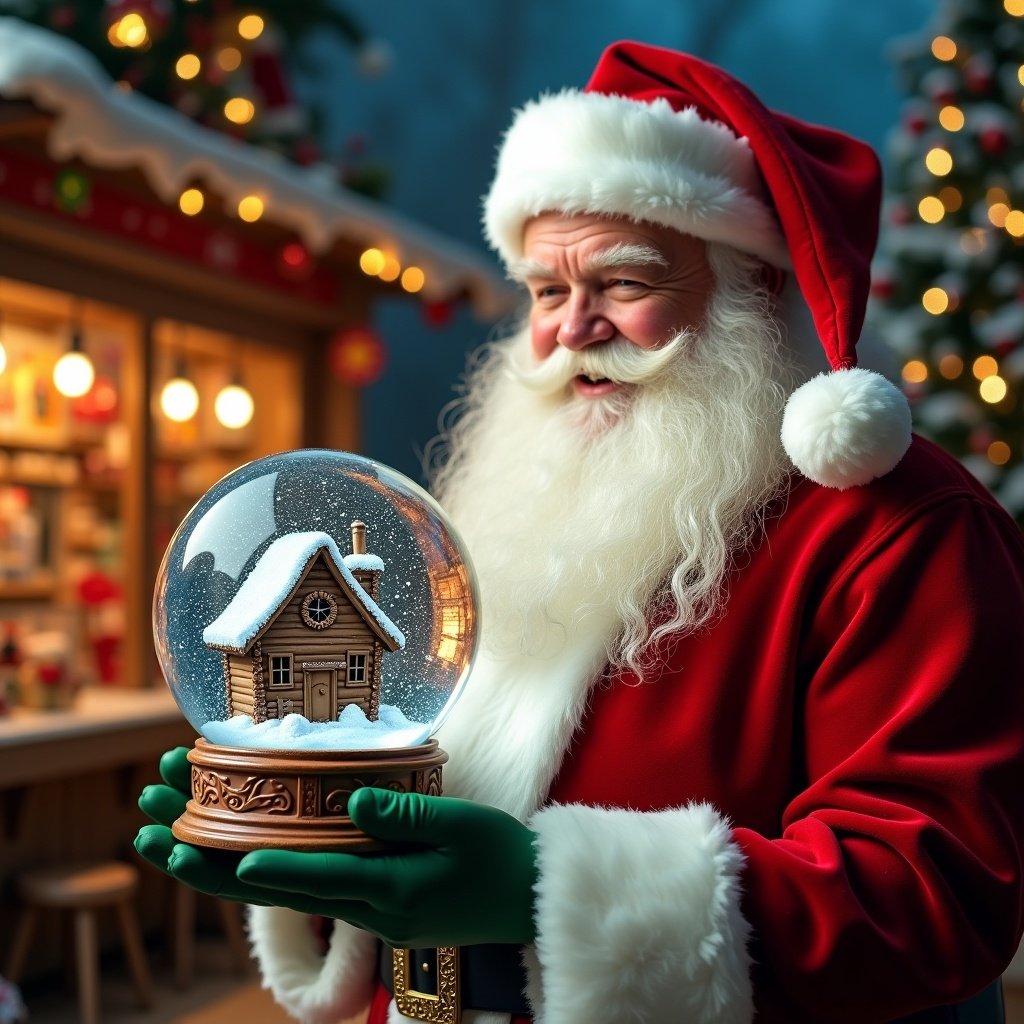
(63, 18)
(915, 123)
(357, 356)
(122, 215)
(438, 314)
(98, 405)
(993, 141)
(978, 76)
(882, 287)
(295, 261)
(305, 152)
(979, 440)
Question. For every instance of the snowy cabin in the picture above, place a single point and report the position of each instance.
(304, 633)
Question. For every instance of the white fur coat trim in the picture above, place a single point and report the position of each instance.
(638, 918)
(590, 153)
(313, 988)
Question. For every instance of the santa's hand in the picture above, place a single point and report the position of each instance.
(209, 871)
(468, 878)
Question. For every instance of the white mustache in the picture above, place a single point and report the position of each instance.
(620, 361)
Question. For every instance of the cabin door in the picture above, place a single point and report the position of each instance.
(321, 690)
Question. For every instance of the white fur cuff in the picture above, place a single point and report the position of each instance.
(638, 918)
(313, 988)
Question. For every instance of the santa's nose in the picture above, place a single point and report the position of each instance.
(583, 324)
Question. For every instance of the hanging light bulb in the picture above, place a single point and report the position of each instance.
(233, 405)
(73, 373)
(179, 398)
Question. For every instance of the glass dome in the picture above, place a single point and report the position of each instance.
(315, 600)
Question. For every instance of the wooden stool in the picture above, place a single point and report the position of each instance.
(183, 934)
(84, 889)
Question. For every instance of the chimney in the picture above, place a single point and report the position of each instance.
(358, 538)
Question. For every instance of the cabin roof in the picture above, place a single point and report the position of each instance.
(273, 581)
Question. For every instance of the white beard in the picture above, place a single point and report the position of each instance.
(598, 527)
(590, 517)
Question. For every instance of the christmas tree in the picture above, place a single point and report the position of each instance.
(224, 64)
(949, 282)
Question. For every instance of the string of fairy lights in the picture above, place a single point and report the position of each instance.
(995, 213)
(134, 26)
(131, 30)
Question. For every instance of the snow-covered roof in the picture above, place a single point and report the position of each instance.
(109, 128)
(272, 581)
(367, 563)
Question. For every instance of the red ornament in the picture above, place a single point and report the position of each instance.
(63, 18)
(915, 123)
(357, 356)
(438, 314)
(295, 262)
(882, 288)
(978, 77)
(1004, 346)
(305, 152)
(979, 440)
(99, 405)
(993, 141)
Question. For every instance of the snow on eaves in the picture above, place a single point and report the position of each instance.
(272, 580)
(105, 127)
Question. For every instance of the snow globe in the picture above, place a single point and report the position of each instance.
(315, 618)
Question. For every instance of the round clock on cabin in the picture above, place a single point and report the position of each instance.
(314, 617)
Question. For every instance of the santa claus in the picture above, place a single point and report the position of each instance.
(746, 734)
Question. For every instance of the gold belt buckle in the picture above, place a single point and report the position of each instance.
(441, 1006)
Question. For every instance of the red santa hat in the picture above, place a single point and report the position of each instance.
(663, 137)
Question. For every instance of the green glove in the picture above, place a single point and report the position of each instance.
(464, 875)
(209, 871)
(467, 879)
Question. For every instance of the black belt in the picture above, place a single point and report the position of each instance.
(491, 977)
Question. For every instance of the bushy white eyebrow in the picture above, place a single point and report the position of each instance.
(624, 254)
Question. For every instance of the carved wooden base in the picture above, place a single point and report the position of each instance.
(246, 799)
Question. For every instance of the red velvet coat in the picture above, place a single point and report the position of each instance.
(858, 713)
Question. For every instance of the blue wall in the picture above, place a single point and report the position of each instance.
(459, 69)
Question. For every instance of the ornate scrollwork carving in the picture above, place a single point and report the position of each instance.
(254, 794)
(336, 801)
(429, 782)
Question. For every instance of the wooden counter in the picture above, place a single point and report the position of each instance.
(105, 728)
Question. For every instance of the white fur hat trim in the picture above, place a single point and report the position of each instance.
(581, 152)
(846, 428)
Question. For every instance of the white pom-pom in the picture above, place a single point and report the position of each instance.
(846, 428)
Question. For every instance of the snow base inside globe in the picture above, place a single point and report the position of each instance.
(253, 799)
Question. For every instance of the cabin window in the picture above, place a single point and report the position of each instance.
(280, 670)
(319, 609)
(357, 668)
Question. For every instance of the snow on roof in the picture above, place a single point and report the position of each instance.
(270, 583)
(105, 127)
(371, 563)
